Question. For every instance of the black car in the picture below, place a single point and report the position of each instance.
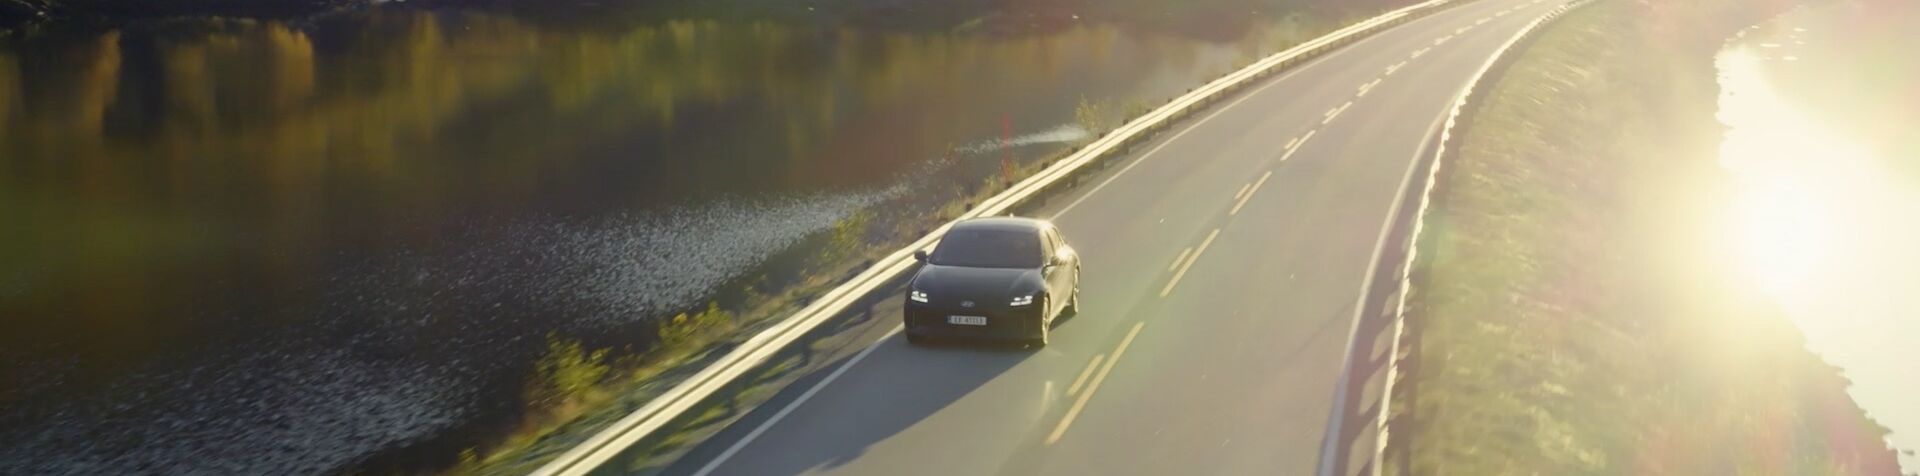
(994, 278)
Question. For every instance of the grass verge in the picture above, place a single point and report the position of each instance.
(1570, 318)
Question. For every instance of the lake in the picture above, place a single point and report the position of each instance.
(265, 247)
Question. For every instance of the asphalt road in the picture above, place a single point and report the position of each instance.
(1222, 262)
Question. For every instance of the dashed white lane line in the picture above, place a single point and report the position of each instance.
(1178, 259)
(1335, 112)
(1395, 67)
(1296, 146)
(1189, 264)
(1242, 192)
(1176, 138)
(1442, 40)
(1250, 192)
(1463, 29)
(1081, 403)
(1482, 21)
(1421, 51)
(1365, 88)
(1082, 380)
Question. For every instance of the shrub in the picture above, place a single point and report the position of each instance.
(683, 329)
(846, 237)
(1090, 115)
(566, 372)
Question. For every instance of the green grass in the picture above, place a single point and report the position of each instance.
(1567, 323)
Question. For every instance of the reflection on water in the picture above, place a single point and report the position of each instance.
(281, 247)
(1827, 195)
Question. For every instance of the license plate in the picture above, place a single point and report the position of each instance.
(967, 320)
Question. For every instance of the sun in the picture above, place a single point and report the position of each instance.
(1793, 181)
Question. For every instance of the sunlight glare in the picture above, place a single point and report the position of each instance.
(1788, 172)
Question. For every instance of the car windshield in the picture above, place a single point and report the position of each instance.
(988, 248)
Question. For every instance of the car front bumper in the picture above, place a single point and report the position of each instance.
(1002, 323)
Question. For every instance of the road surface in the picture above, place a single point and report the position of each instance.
(1222, 262)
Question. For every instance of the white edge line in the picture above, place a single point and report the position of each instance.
(1336, 421)
(1419, 223)
(784, 411)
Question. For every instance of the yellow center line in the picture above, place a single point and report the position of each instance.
(1295, 147)
(1256, 188)
(1364, 89)
(1082, 380)
(1189, 264)
(1081, 403)
(1178, 259)
(1336, 113)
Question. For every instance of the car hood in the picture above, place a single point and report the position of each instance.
(990, 286)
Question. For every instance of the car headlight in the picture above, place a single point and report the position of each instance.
(917, 296)
(1022, 300)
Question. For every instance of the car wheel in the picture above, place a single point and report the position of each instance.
(1046, 324)
(1073, 303)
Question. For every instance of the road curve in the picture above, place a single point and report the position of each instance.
(1222, 262)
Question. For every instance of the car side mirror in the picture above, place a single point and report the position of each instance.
(1057, 260)
(920, 256)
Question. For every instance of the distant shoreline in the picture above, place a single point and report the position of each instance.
(27, 18)
(1217, 19)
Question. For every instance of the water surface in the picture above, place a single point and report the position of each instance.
(1820, 106)
(261, 247)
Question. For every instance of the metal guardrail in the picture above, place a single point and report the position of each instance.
(1395, 265)
(658, 412)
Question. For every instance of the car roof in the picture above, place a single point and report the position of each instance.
(1002, 223)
